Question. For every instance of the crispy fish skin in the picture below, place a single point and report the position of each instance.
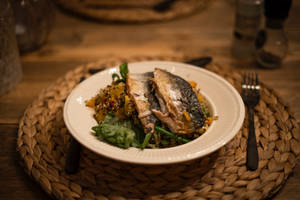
(139, 87)
(177, 99)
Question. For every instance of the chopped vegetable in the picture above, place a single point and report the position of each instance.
(91, 102)
(171, 135)
(204, 110)
(186, 115)
(193, 84)
(146, 140)
(165, 142)
(209, 120)
(111, 99)
(123, 68)
(126, 104)
(201, 130)
(117, 133)
(116, 76)
(200, 98)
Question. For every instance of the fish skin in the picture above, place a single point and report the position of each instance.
(139, 87)
(176, 95)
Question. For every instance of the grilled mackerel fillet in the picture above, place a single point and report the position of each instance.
(179, 109)
(139, 87)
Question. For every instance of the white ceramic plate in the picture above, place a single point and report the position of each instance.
(225, 102)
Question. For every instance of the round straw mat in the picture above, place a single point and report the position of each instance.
(43, 142)
(131, 11)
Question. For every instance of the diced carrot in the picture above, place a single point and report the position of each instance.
(186, 115)
(200, 131)
(126, 104)
(200, 98)
(120, 113)
(209, 120)
(91, 102)
(100, 116)
(193, 84)
(112, 99)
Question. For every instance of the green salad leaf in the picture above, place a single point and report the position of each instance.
(123, 68)
(116, 77)
(116, 132)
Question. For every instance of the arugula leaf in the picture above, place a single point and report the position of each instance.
(123, 68)
(116, 76)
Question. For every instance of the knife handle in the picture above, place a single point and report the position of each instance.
(200, 62)
(73, 157)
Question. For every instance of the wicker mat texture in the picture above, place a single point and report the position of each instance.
(43, 142)
(132, 11)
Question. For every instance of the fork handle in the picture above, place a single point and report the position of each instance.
(252, 153)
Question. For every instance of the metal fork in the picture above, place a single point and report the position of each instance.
(251, 96)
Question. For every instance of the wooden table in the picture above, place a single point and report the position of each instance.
(74, 41)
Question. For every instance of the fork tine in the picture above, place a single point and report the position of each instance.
(244, 79)
(248, 80)
(243, 84)
(256, 78)
(257, 87)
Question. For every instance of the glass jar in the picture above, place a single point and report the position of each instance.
(274, 45)
(10, 67)
(34, 20)
(247, 22)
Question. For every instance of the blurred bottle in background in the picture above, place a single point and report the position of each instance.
(34, 20)
(272, 43)
(247, 23)
(10, 67)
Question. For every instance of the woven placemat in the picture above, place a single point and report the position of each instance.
(43, 142)
(131, 11)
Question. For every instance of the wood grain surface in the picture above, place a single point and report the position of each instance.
(75, 41)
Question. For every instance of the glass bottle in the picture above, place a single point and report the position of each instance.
(10, 66)
(247, 23)
(272, 43)
(34, 20)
